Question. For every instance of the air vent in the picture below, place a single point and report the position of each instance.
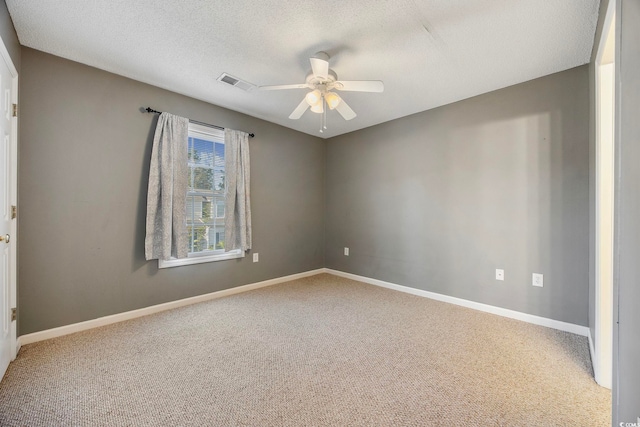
(236, 82)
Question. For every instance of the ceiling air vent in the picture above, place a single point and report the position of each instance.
(234, 81)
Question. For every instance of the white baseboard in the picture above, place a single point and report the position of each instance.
(115, 318)
(512, 314)
(120, 317)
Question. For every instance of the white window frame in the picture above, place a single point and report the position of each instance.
(202, 257)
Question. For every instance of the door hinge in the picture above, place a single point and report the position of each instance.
(15, 110)
(14, 314)
(14, 211)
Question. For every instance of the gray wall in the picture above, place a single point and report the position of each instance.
(8, 34)
(626, 336)
(84, 158)
(438, 200)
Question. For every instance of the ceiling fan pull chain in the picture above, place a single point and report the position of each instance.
(322, 116)
(324, 112)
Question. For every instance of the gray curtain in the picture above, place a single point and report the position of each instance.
(237, 227)
(166, 199)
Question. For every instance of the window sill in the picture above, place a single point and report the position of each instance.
(174, 262)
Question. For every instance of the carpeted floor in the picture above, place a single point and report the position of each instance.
(319, 351)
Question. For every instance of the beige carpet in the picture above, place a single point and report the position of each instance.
(312, 352)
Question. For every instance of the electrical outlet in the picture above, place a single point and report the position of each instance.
(537, 279)
(256, 257)
(346, 251)
(499, 274)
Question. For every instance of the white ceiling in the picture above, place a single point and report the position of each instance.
(427, 52)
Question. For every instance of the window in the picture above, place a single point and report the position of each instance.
(205, 198)
(220, 209)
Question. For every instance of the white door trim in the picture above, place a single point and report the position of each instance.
(604, 79)
(4, 53)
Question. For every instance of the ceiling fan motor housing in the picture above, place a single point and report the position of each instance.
(315, 82)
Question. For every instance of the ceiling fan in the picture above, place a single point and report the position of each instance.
(321, 81)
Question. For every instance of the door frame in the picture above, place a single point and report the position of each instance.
(604, 209)
(13, 197)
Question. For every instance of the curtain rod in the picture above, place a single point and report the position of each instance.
(151, 110)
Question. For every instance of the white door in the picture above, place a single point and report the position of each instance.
(8, 88)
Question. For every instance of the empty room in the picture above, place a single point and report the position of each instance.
(398, 213)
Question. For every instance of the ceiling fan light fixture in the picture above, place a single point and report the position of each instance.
(333, 99)
(318, 107)
(313, 98)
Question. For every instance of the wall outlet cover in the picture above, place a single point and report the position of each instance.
(537, 279)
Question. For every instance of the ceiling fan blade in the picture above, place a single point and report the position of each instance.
(359, 85)
(300, 109)
(280, 87)
(345, 111)
(320, 65)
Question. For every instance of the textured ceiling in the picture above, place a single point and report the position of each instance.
(427, 52)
